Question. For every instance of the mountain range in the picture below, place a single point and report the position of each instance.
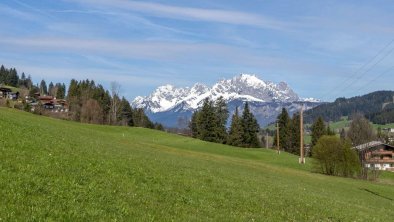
(174, 106)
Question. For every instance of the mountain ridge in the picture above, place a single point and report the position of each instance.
(264, 96)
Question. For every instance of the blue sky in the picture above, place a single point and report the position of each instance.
(323, 49)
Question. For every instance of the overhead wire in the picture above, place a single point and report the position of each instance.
(357, 72)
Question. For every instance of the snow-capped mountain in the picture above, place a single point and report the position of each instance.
(171, 105)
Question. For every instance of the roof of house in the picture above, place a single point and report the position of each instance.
(5, 89)
(371, 145)
(45, 98)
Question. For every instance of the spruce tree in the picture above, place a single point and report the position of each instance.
(2, 74)
(51, 90)
(295, 135)
(43, 88)
(236, 131)
(207, 122)
(13, 78)
(126, 116)
(221, 112)
(141, 120)
(22, 81)
(250, 128)
(318, 130)
(193, 125)
(284, 123)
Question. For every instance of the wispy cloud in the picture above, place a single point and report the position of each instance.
(131, 49)
(8, 11)
(190, 13)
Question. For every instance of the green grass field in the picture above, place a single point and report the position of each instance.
(54, 170)
(345, 123)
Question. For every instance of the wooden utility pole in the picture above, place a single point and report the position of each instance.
(277, 138)
(302, 158)
(266, 140)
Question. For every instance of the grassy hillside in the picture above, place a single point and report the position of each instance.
(345, 123)
(366, 104)
(57, 170)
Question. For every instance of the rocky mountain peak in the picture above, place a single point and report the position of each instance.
(244, 87)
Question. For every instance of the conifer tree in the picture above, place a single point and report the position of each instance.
(60, 91)
(43, 88)
(2, 74)
(318, 130)
(207, 121)
(193, 125)
(295, 135)
(221, 113)
(236, 131)
(140, 119)
(13, 78)
(250, 128)
(22, 81)
(284, 123)
(126, 115)
(51, 89)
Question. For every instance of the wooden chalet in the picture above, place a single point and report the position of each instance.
(7, 93)
(4, 92)
(377, 155)
(51, 103)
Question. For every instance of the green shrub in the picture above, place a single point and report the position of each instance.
(334, 156)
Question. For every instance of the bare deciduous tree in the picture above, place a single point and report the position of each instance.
(115, 102)
(360, 130)
(91, 112)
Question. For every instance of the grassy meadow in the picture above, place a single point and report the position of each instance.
(54, 170)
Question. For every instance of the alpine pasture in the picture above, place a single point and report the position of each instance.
(57, 170)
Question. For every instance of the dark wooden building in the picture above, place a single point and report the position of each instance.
(376, 155)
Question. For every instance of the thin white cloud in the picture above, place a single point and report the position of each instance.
(159, 51)
(8, 11)
(190, 13)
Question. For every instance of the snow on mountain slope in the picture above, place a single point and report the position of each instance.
(244, 87)
(167, 103)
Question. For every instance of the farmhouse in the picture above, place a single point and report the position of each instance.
(7, 93)
(4, 92)
(376, 155)
(51, 103)
(388, 130)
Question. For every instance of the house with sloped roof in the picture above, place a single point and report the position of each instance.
(376, 155)
(4, 91)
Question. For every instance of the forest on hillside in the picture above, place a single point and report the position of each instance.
(87, 101)
(377, 107)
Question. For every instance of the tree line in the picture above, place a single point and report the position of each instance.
(376, 106)
(210, 124)
(88, 102)
(91, 103)
(10, 77)
(334, 155)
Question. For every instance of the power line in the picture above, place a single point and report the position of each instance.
(373, 66)
(330, 92)
(376, 78)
